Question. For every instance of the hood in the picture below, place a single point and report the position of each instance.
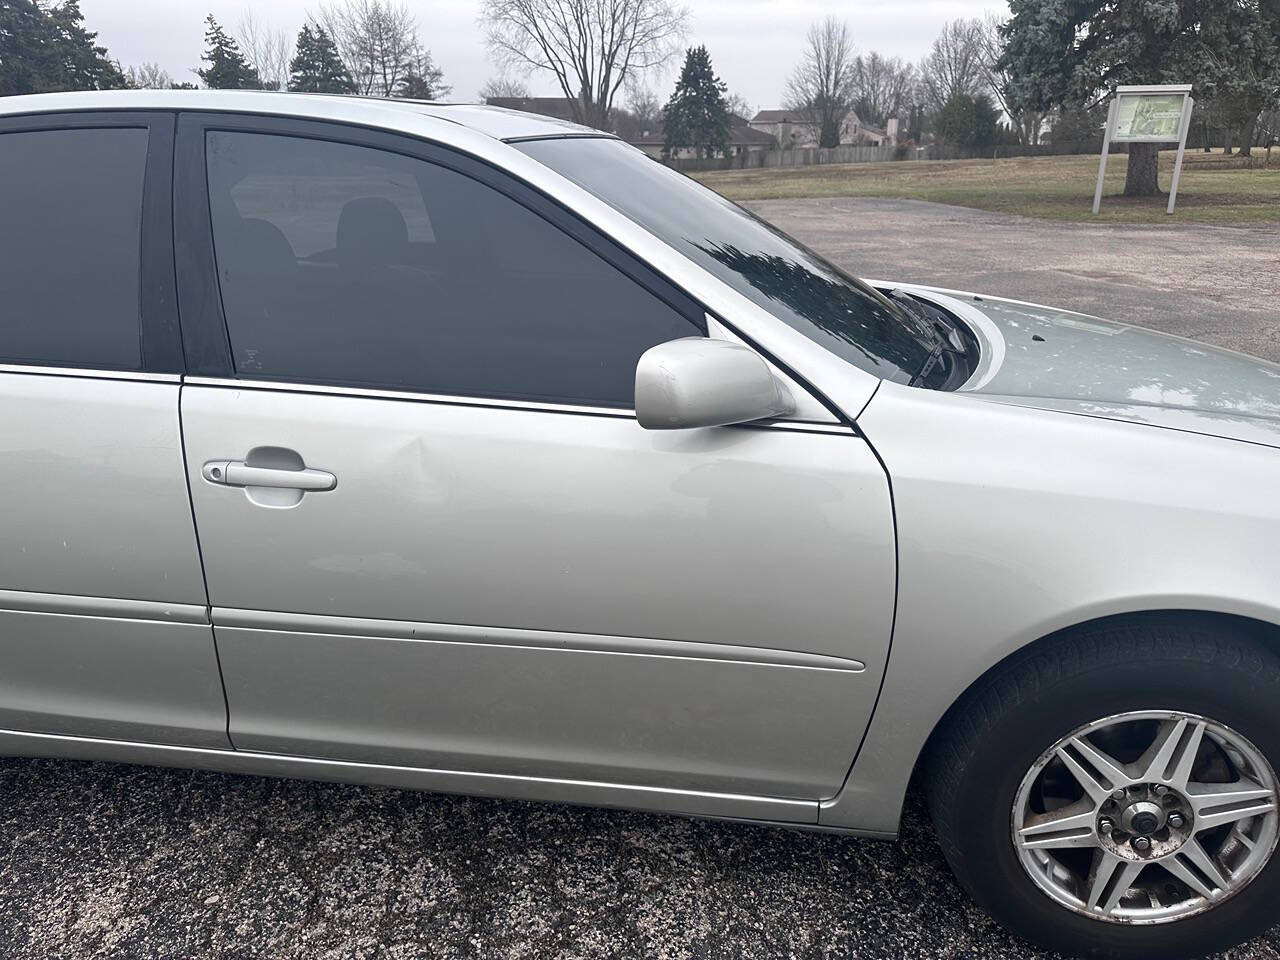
(1054, 359)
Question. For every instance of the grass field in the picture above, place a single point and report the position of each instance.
(1214, 189)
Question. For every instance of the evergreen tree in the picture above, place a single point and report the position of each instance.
(697, 115)
(422, 79)
(968, 121)
(44, 47)
(316, 66)
(1064, 53)
(228, 69)
(1238, 88)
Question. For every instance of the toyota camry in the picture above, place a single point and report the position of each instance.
(452, 448)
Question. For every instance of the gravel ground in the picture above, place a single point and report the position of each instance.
(119, 861)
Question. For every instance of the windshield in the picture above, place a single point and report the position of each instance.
(793, 283)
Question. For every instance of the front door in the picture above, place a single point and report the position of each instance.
(433, 532)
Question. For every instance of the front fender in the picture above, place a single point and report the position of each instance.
(1014, 523)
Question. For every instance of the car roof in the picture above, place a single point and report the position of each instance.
(496, 122)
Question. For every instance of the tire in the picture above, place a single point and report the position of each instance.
(982, 762)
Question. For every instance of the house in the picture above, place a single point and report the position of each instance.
(800, 128)
(742, 139)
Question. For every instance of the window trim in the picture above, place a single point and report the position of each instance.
(159, 335)
(415, 396)
(206, 335)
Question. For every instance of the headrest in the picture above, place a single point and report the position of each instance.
(372, 233)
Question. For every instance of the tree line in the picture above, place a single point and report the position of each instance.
(1046, 70)
(954, 95)
(368, 47)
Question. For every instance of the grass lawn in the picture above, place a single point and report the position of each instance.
(1214, 189)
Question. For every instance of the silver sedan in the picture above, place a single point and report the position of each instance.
(445, 447)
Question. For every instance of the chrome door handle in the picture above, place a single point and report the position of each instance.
(237, 473)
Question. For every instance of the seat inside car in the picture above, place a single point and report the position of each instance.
(372, 234)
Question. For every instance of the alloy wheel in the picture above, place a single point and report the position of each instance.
(1146, 817)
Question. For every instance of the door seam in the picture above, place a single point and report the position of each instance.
(195, 529)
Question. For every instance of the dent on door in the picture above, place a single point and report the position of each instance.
(524, 592)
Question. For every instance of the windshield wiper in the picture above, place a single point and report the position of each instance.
(943, 338)
(933, 323)
(935, 357)
(933, 337)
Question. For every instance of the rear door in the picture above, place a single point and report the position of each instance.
(433, 532)
(103, 624)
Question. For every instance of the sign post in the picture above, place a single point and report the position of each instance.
(1152, 114)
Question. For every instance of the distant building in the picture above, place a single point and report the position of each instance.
(800, 128)
(742, 139)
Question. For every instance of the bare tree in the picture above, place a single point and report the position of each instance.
(740, 106)
(148, 76)
(591, 47)
(267, 49)
(999, 80)
(822, 85)
(377, 41)
(883, 87)
(644, 105)
(504, 87)
(956, 64)
(639, 116)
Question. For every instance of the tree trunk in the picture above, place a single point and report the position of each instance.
(829, 133)
(1207, 148)
(1246, 137)
(1226, 140)
(1141, 179)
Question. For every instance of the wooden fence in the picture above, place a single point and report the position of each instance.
(811, 156)
(792, 157)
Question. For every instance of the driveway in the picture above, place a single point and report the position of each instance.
(114, 861)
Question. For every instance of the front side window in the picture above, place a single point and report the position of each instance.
(790, 281)
(344, 264)
(70, 246)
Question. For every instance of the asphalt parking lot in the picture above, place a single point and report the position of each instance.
(115, 861)
(1220, 284)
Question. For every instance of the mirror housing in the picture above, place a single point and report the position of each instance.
(698, 382)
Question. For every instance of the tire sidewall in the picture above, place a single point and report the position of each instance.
(1023, 734)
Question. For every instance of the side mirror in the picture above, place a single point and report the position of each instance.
(697, 382)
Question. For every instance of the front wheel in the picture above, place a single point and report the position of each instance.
(1114, 794)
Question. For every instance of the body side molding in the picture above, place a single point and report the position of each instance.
(110, 607)
(512, 637)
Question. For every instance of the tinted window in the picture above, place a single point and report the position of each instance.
(70, 246)
(349, 265)
(790, 281)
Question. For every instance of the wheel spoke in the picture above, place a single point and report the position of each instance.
(1217, 803)
(1060, 829)
(1170, 759)
(1199, 871)
(1105, 776)
(1110, 881)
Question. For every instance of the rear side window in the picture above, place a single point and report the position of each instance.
(345, 264)
(70, 247)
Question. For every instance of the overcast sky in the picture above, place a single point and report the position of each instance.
(753, 43)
